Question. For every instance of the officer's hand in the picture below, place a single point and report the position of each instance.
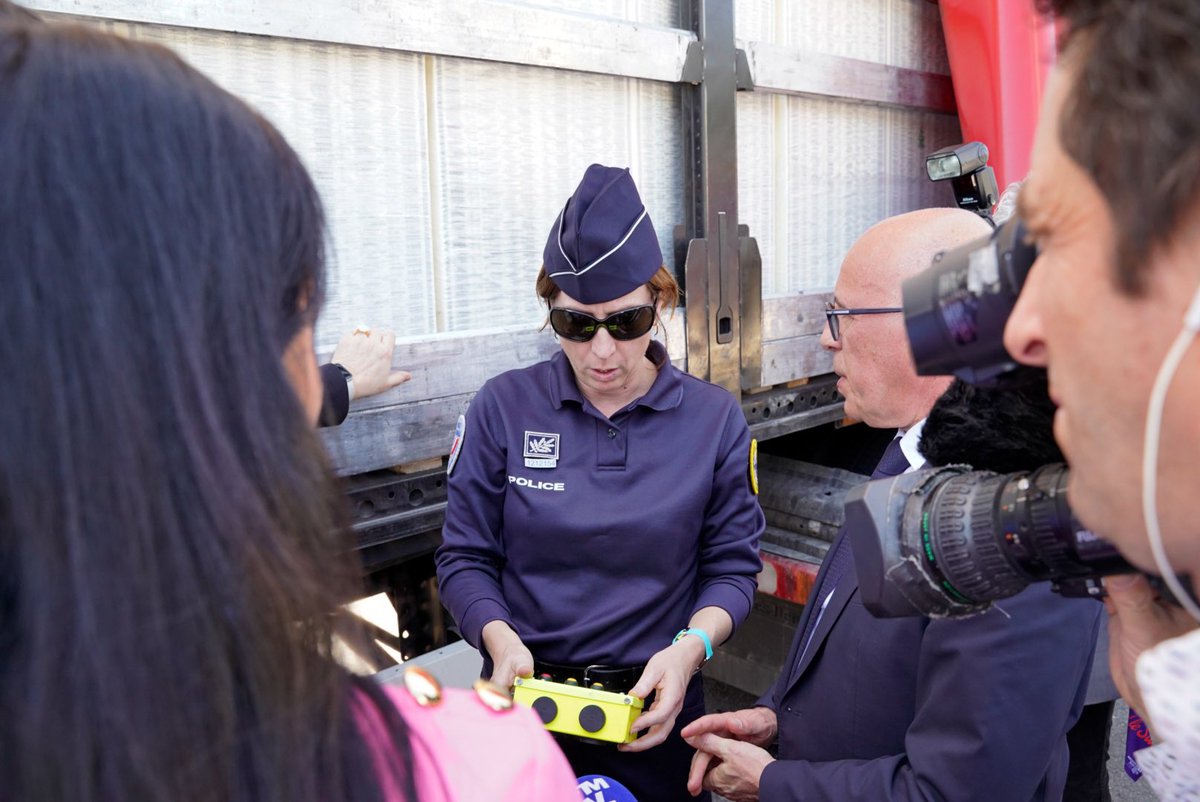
(731, 768)
(754, 725)
(667, 675)
(510, 658)
(368, 357)
(1138, 619)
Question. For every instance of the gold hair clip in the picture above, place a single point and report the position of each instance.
(493, 695)
(423, 686)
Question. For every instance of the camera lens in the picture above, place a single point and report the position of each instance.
(949, 541)
(969, 568)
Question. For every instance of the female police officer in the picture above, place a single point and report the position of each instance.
(601, 513)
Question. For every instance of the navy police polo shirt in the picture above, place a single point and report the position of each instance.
(595, 538)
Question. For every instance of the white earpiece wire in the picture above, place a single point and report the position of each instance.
(1154, 416)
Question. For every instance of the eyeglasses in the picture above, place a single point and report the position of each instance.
(628, 324)
(832, 313)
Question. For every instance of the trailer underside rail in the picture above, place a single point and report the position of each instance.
(396, 516)
(803, 506)
(783, 410)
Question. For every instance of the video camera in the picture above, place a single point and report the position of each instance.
(950, 541)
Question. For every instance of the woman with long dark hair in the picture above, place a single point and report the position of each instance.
(171, 549)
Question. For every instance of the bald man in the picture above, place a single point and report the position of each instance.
(909, 708)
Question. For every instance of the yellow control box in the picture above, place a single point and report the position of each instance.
(574, 710)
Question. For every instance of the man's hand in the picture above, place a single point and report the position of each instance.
(729, 767)
(1137, 620)
(368, 357)
(510, 657)
(754, 725)
(667, 674)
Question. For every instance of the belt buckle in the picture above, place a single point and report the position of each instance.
(619, 680)
(610, 678)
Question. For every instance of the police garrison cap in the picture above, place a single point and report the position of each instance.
(602, 245)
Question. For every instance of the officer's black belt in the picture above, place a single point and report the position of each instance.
(618, 679)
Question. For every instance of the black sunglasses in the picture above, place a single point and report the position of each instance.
(628, 324)
(832, 313)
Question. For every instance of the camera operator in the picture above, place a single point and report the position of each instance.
(1111, 309)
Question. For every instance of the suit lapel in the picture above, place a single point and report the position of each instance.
(846, 585)
(846, 588)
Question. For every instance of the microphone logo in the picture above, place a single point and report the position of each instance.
(598, 788)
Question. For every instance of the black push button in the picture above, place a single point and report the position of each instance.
(592, 718)
(546, 708)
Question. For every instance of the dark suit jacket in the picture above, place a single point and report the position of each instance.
(337, 397)
(921, 709)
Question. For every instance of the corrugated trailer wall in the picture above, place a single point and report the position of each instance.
(814, 172)
(442, 173)
(441, 176)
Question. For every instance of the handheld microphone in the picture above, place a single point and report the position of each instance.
(598, 788)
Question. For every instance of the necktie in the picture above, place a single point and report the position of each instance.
(892, 463)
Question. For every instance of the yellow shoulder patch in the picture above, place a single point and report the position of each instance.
(754, 466)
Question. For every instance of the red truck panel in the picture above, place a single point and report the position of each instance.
(786, 578)
(1000, 52)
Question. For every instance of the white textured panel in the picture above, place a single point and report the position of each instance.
(653, 12)
(760, 175)
(755, 20)
(836, 151)
(814, 173)
(917, 39)
(852, 165)
(901, 33)
(367, 158)
(658, 150)
(657, 12)
(512, 144)
(600, 8)
(851, 28)
(913, 135)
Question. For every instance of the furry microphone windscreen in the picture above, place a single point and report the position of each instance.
(1001, 429)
